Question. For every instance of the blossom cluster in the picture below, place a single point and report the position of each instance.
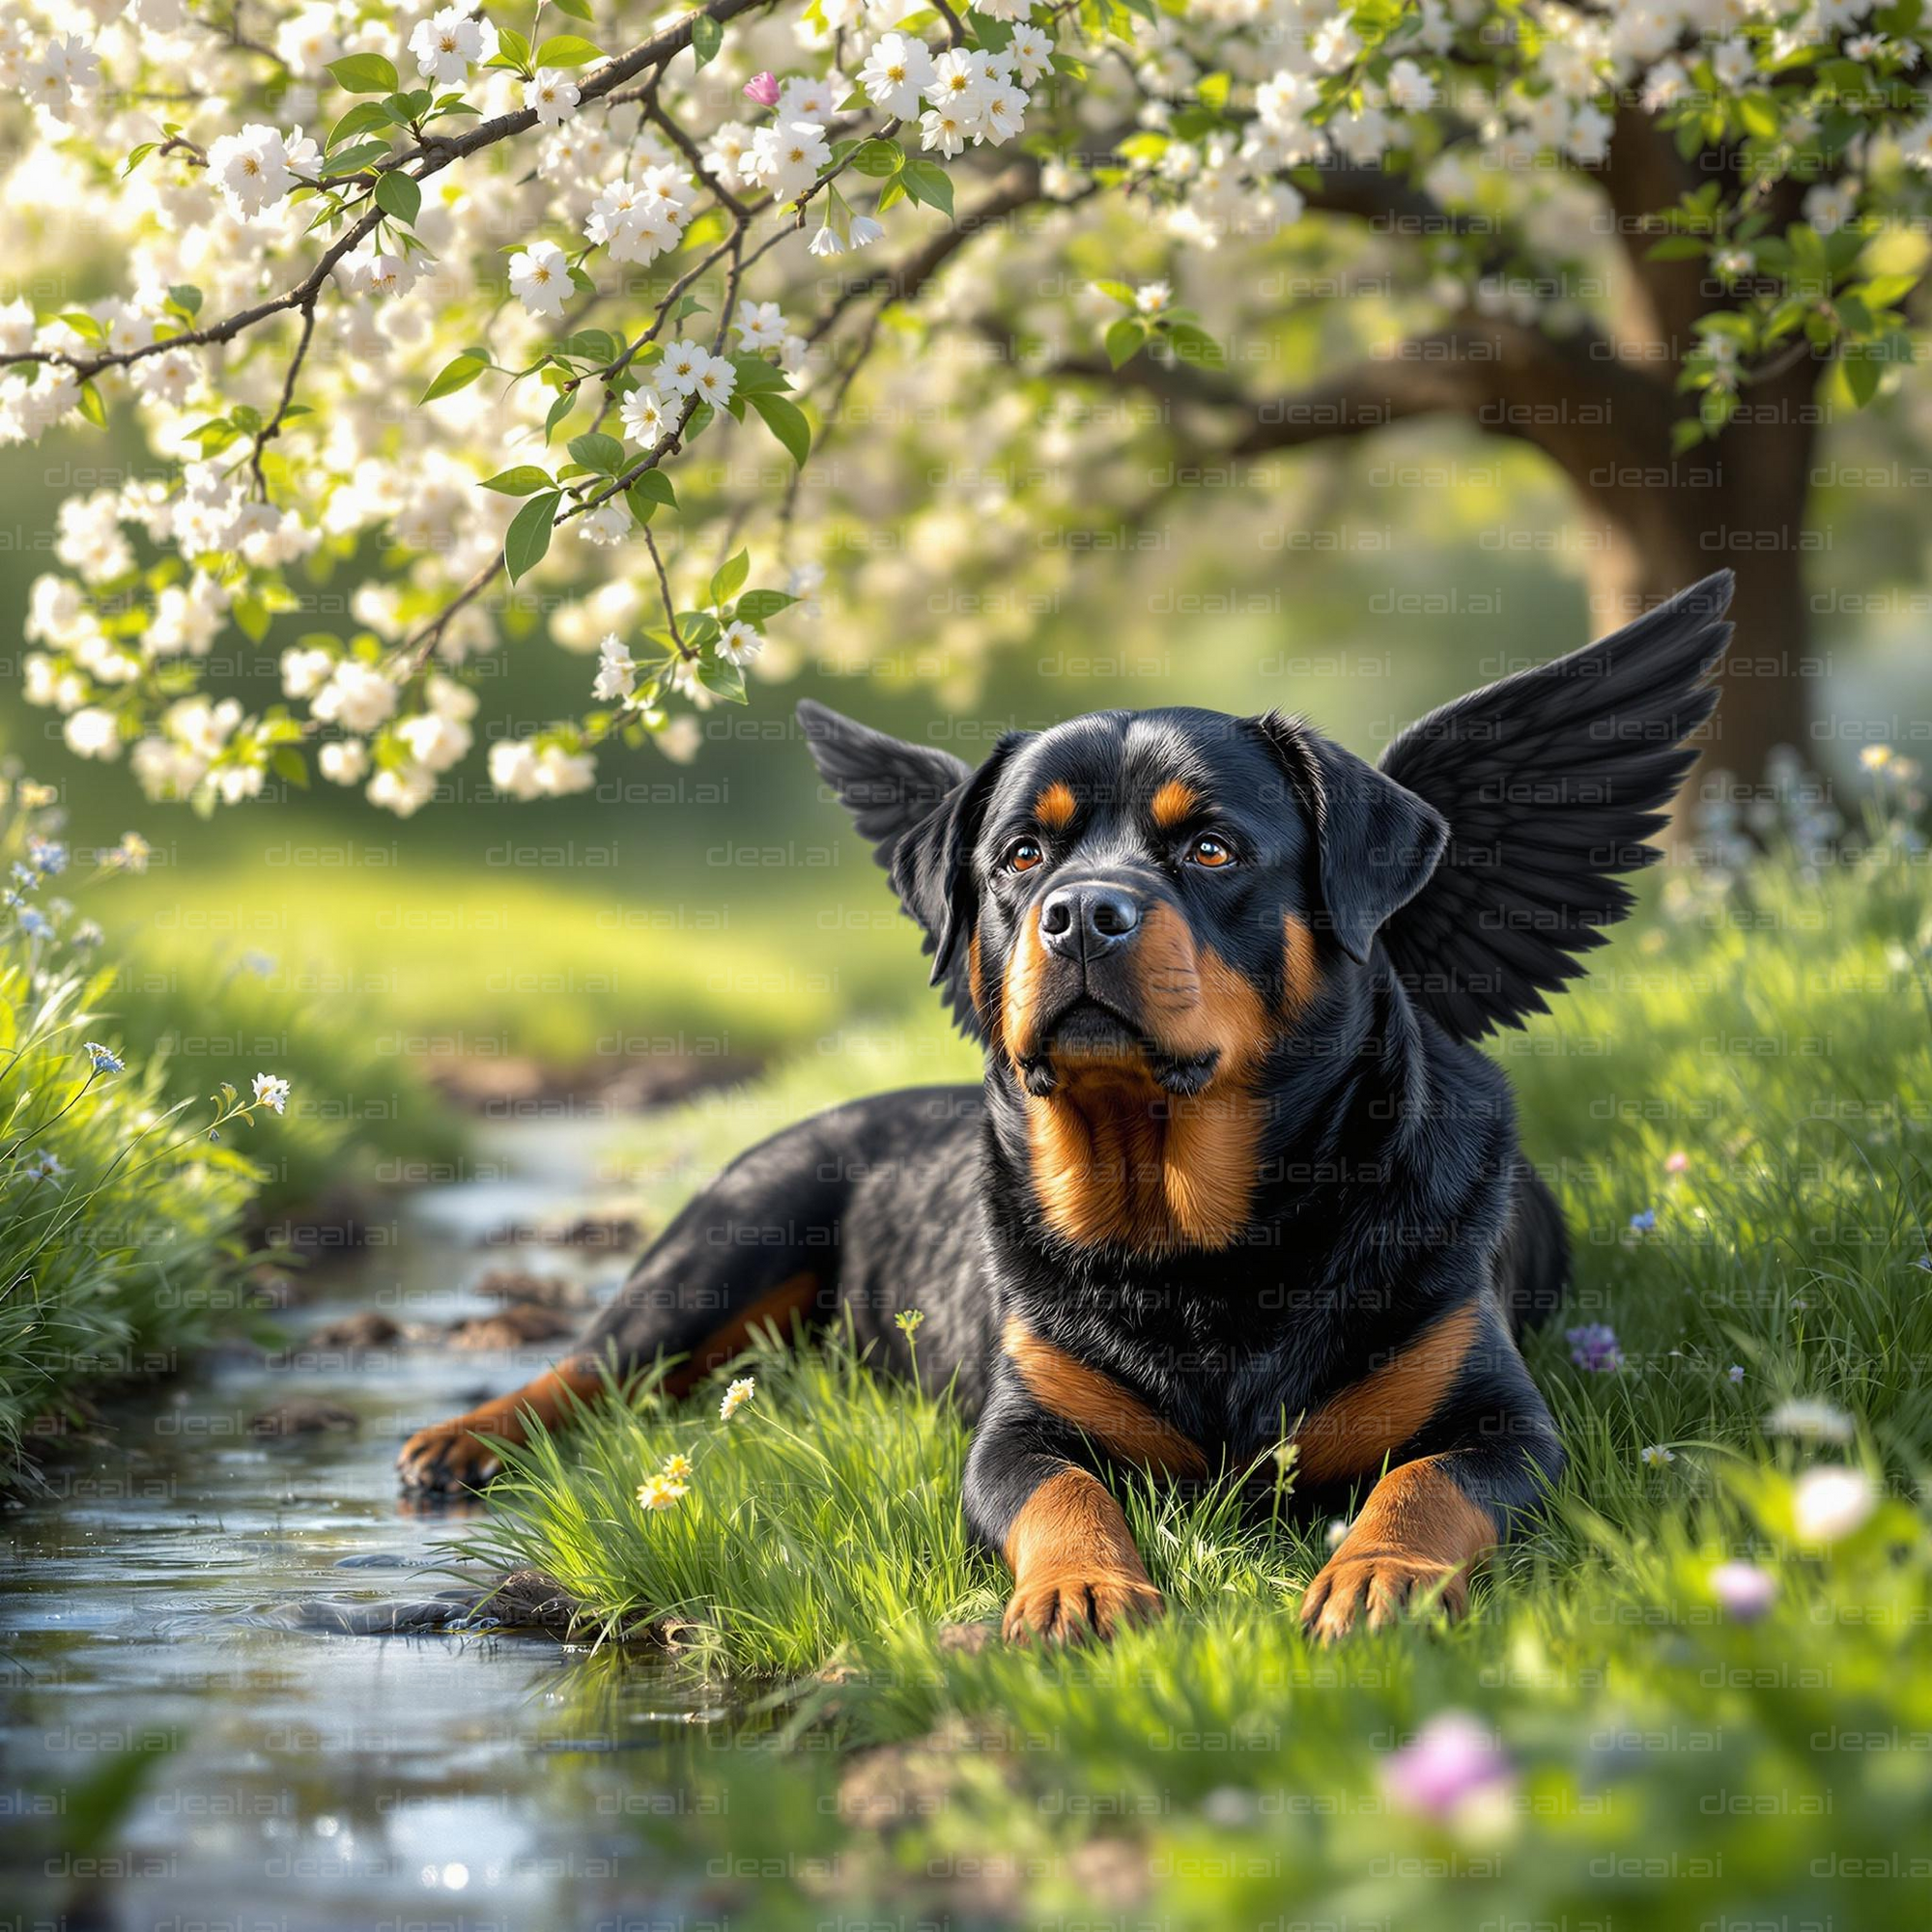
(398, 298)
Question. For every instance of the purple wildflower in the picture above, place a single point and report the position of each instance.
(1450, 1760)
(1595, 1348)
(1744, 1590)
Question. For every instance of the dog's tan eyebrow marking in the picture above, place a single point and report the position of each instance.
(1055, 807)
(1098, 1405)
(1172, 803)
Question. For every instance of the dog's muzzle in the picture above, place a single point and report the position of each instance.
(1094, 1002)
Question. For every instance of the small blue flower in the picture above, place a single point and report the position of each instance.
(87, 933)
(1924, 1263)
(50, 855)
(25, 877)
(104, 1061)
(34, 924)
(1735, 1371)
(1644, 1222)
(42, 1167)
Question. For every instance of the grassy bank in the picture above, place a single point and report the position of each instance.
(121, 1197)
(1735, 1111)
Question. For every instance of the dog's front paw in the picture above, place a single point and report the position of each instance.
(447, 1457)
(1070, 1605)
(1379, 1587)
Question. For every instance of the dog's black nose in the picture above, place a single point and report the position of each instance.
(1083, 921)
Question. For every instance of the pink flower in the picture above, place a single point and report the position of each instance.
(764, 88)
(1744, 1590)
(1451, 1759)
(1676, 1163)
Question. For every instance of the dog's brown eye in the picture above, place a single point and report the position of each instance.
(1211, 853)
(1024, 855)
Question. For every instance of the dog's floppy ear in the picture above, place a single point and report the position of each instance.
(920, 808)
(1378, 841)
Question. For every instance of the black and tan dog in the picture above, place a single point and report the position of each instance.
(1235, 1175)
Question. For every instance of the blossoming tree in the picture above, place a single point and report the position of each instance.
(443, 332)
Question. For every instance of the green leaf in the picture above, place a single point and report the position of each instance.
(655, 486)
(1886, 291)
(929, 184)
(511, 50)
(643, 507)
(756, 373)
(567, 50)
(454, 376)
(397, 194)
(518, 481)
(91, 406)
(1119, 290)
(559, 412)
(728, 578)
(757, 608)
(1676, 248)
(1862, 373)
(528, 538)
(706, 38)
(1195, 345)
(720, 678)
(136, 156)
(364, 73)
(878, 158)
(604, 454)
(591, 345)
(253, 615)
(364, 118)
(577, 10)
(787, 421)
(352, 161)
(290, 767)
(1124, 338)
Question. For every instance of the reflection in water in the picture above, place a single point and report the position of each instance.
(195, 1593)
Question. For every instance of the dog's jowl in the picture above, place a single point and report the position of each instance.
(1236, 1175)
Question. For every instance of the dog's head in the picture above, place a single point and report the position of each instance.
(1135, 900)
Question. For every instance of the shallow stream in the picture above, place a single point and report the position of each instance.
(191, 1590)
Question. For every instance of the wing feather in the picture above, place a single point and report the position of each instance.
(1553, 781)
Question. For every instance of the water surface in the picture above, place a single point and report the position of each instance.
(171, 1596)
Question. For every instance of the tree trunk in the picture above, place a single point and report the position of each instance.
(1737, 504)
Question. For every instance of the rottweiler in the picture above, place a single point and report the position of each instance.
(1237, 1176)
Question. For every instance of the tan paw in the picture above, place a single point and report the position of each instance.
(447, 1457)
(1378, 1588)
(1070, 1606)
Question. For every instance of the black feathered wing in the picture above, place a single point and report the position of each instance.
(1551, 781)
(888, 786)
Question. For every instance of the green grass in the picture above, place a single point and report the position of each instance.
(1754, 1070)
(559, 964)
(118, 1216)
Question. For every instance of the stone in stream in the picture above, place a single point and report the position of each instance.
(304, 1416)
(513, 1327)
(366, 1328)
(542, 1290)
